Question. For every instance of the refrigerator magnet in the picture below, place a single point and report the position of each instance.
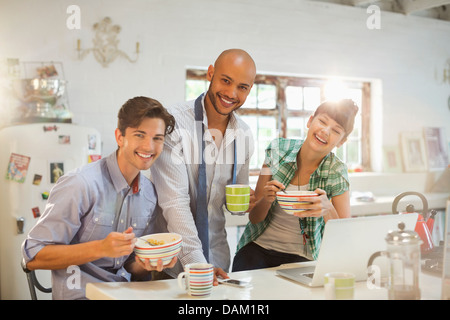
(92, 141)
(64, 139)
(50, 128)
(94, 157)
(37, 179)
(36, 212)
(17, 167)
(56, 171)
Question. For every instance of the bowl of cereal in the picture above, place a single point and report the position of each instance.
(289, 200)
(152, 247)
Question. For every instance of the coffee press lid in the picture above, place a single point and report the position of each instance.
(402, 236)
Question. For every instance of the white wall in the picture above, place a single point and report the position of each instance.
(294, 37)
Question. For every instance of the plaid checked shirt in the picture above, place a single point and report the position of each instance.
(331, 176)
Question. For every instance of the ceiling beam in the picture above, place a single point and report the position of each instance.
(410, 6)
(357, 3)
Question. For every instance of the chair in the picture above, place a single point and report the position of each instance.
(33, 282)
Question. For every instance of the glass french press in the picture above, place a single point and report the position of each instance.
(403, 253)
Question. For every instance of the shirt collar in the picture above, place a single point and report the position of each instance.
(117, 178)
(205, 116)
(136, 184)
(291, 157)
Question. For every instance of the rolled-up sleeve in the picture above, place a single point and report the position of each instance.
(60, 220)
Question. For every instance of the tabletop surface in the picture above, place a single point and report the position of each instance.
(265, 284)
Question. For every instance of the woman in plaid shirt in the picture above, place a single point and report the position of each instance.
(273, 237)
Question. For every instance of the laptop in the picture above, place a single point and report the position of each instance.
(347, 245)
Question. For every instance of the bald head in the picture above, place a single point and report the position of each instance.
(231, 79)
(236, 57)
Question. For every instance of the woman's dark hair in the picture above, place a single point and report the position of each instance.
(342, 111)
(135, 110)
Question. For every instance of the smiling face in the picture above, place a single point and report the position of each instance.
(231, 79)
(324, 133)
(140, 147)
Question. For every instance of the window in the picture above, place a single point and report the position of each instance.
(280, 106)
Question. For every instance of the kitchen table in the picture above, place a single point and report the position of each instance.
(265, 285)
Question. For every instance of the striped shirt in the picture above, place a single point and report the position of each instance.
(331, 176)
(175, 175)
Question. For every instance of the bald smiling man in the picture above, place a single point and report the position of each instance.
(228, 146)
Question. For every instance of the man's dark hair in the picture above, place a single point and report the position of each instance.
(135, 110)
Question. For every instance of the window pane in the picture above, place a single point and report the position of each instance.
(252, 122)
(294, 98)
(356, 133)
(194, 88)
(352, 152)
(312, 98)
(266, 128)
(355, 95)
(264, 131)
(296, 127)
(267, 96)
(250, 102)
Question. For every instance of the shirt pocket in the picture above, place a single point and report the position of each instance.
(139, 224)
(141, 219)
(99, 226)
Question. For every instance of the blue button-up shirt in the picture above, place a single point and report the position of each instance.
(87, 204)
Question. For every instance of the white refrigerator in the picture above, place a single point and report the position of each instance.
(32, 157)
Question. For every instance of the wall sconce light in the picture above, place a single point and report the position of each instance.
(444, 76)
(105, 41)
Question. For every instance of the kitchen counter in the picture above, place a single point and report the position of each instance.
(382, 204)
(265, 285)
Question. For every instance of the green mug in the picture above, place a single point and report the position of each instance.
(339, 286)
(237, 197)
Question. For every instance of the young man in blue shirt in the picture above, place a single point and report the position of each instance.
(94, 213)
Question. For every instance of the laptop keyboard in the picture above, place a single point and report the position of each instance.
(309, 275)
